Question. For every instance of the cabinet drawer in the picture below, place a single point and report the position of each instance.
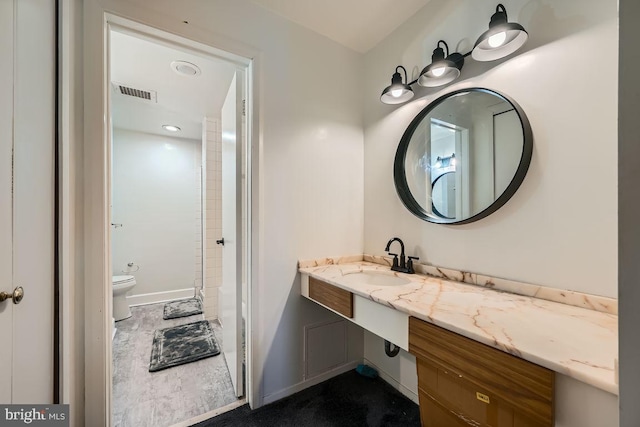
(448, 395)
(435, 414)
(331, 296)
(453, 368)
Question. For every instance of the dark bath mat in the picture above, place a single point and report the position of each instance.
(182, 308)
(182, 344)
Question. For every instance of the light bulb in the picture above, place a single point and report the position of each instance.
(396, 93)
(497, 39)
(437, 72)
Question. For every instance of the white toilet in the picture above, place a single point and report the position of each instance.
(122, 285)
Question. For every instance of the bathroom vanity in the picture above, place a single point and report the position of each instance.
(483, 357)
(460, 380)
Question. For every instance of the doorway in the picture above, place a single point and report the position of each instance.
(178, 222)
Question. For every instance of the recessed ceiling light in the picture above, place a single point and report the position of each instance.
(171, 128)
(185, 68)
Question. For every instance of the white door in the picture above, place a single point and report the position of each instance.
(27, 106)
(231, 290)
(6, 204)
(506, 135)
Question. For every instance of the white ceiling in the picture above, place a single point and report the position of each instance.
(182, 101)
(357, 24)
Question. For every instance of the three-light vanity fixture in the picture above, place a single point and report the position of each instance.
(446, 162)
(501, 39)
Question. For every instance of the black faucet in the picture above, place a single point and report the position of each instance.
(403, 266)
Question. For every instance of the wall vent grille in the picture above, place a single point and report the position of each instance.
(127, 90)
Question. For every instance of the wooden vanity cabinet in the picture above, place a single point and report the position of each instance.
(331, 296)
(465, 383)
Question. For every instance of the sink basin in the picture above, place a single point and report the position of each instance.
(374, 278)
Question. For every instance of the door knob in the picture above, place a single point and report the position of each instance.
(220, 242)
(17, 295)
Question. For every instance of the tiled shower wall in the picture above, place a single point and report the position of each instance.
(212, 135)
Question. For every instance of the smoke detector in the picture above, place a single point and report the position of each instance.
(185, 68)
(129, 90)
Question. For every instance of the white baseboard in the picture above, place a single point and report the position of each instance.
(156, 297)
(393, 382)
(211, 414)
(309, 382)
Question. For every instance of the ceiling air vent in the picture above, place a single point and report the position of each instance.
(147, 95)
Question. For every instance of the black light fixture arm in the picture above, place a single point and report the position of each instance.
(446, 46)
(500, 8)
(405, 72)
(499, 17)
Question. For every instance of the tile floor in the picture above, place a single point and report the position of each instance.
(163, 398)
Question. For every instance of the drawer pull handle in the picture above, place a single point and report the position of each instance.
(482, 397)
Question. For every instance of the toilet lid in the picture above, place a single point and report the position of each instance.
(117, 280)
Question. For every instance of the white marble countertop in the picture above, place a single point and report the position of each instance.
(574, 341)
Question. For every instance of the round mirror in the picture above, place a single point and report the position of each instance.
(463, 156)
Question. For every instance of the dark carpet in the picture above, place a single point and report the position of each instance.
(182, 308)
(182, 344)
(348, 400)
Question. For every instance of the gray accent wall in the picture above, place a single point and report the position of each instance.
(629, 211)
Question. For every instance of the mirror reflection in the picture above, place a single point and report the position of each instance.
(443, 195)
(461, 154)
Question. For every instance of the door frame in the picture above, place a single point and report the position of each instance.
(96, 161)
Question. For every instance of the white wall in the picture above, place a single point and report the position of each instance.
(311, 165)
(559, 229)
(155, 198)
(399, 371)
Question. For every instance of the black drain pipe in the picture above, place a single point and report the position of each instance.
(388, 351)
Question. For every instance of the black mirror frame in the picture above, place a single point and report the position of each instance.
(400, 178)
